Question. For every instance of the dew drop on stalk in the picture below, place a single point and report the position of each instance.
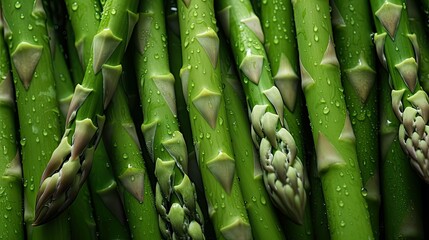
(74, 6)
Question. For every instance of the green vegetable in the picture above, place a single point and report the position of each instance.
(356, 54)
(179, 213)
(11, 198)
(283, 172)
(331, 126)
(402, 205)
(26, 36)
(201, 76)
(259, 207)
(397, 50)
(71, 163)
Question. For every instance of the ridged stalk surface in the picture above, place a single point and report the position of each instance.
(28, 42)
(176, 202)
(202, 77)
(283, 171)
(331, 126)
(398, 52)
(357, 57)
(71, 162)
(11, 199)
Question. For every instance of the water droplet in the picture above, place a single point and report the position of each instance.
(341, 203)
(124, 156)
(74, 6)
(325, 110)
(338, 188)
(364, 192)
(18, 5)
(113, 11)
(342, 223)
(30, 27)
(254, 199)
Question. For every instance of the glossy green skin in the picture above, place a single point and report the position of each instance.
(85, 18)
(354, 46)
(125, 155)
(159, 107)
(10, 180)
(37, 110)
(402, 43)
(417, 26)
(226, 208)
(109, 215)
(80, 214)
(341, 180)
(402, 204)
(277, 44)
(257, 201)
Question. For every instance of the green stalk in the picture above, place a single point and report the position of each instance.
(123, 146)
(108, 209)
(277, 15)
(402, 205)
(356, 54)
(179, 212)
(11, 198)
(417, 26)
(85, 18)
(331, 126)
(27, 38)
(76, 70)
(80, 214)
(283, 172)
(175, 62)
(397, 49)
(71, 163)
(201, 76)
(256, 199)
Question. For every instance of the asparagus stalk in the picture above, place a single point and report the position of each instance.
(357, 60)
(417, 26)
(70, 164)
(176, 202)
(402, 205)
(10, 161)
(80, 214)
(259, 207)
(123, 146)
(282, 170)
(108, 209)
(397, 50)
(175, 62)
(331, 126)
(26, 35)
(277, 15)
(201, 76)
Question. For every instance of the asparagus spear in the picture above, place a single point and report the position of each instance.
(175, 62)
(176, 202)
(397, 50)
(108, 209)
(402, 205)
(259, 207)
(123, 146)
(331, 126)
(80, 214)
(417, 26)
(71, 162)
(357, 60)
(26, 35)
(277, 15)
(201, 76)
(10, 161)
(282, 169)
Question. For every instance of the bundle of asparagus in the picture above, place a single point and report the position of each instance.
(221, 90)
